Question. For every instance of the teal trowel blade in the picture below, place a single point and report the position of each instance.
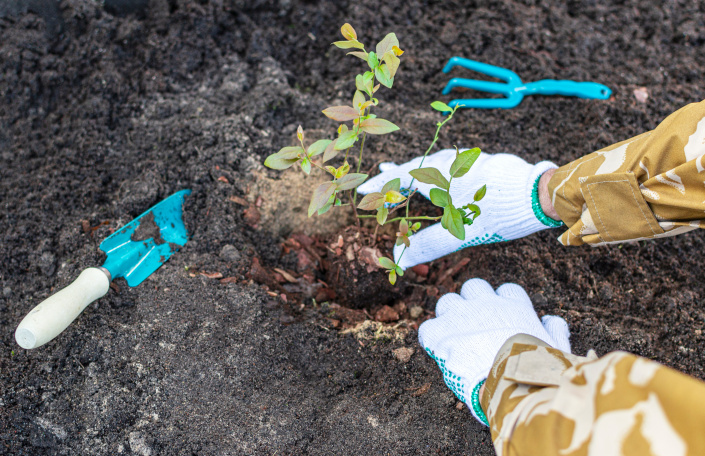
(138, 249)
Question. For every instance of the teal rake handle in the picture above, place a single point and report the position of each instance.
(566, 88)
(513, 88)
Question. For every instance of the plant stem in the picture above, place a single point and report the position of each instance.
(435, 139)
(359, 162)
(400, 218)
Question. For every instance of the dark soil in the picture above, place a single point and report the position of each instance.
(106, 111)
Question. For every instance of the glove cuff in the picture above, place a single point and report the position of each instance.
(474, 405)
(521, 215)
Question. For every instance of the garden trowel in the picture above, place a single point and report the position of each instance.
(133, 252)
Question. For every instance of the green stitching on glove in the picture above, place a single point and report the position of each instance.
(453, 381)
(486, 239)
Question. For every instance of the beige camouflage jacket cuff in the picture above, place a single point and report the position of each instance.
(541, 401)
(647, 187)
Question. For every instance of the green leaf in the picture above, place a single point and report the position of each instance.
(358, 100)
(359, 54)
(349, 44)
(348, 32)
(392, 277)
(371, 202)
(393, 197)
(328, 205)
(440, 106)
(462, 163)
(377, 126)
(386, 263)
(430, 176)
(359, 83)
(351, 181)
(393, 184)
(318, 147)
(440, 198)
(275, 161)
(306, 165)
(392, 62)
(346, 140)
(331, 152)
(416, 226)
(454, 222)
(382, 214)
(403, 240)
(291, 152)
(399, 270)
(372, 60)
(342, 170)
(341, 113)
(404, 227)
(383, 76)
(367, 82)
(474, 208)
(480, 193)
(387, 44)
(321, 196)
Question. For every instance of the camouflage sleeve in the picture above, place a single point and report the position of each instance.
(646, 187)
(541, 401)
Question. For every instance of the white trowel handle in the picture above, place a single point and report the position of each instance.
(56, 313)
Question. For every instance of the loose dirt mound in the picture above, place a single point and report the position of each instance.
(104, 112)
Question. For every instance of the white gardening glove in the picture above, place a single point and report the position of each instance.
(506, 210)
(470, 328)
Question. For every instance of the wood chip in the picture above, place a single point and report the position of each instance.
(289, 278)
(450, 272)
(238, 200)
(212, 275)
(421, 391)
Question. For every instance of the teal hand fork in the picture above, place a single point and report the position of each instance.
(513, 88)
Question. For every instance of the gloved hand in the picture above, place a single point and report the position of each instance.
(470, 328)
(507, 211)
